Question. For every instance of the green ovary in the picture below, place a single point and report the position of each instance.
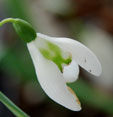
(54, 53)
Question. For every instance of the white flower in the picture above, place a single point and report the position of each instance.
(56, 62)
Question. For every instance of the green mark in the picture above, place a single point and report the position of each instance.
(54, 53)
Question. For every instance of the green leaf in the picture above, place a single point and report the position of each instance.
(12, 107)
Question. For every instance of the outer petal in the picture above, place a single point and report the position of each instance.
(80, 53)
(52, 81)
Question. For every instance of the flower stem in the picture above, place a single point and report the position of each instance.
(6, 21)
(11, 106)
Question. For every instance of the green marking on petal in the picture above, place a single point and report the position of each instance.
(54, 53)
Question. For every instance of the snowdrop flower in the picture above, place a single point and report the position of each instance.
(56, 61)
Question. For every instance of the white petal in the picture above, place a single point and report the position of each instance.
(80, 53)
(51, 80)
(71, 72)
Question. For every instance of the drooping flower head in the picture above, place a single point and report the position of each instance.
(56, 62)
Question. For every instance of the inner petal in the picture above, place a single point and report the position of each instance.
(71, 72)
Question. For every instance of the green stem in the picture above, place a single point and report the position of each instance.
(11, 106)
(6, 21)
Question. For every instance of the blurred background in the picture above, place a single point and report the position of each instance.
(88, 21)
